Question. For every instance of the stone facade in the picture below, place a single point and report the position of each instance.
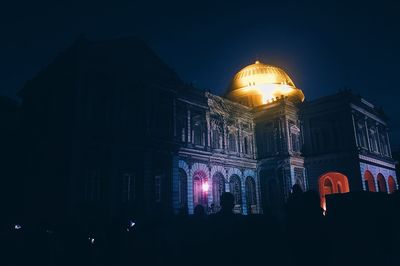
(128, 137)
(217, 148)
(346, 134)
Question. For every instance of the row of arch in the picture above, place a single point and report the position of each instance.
(378, 184)
(199, 185)
(335, 182)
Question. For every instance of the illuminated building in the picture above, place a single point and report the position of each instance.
(116, 128)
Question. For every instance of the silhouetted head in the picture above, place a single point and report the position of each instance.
(227, 201)
(199, 211)
(296, 189)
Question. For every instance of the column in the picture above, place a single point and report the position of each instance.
(225, 142)
(253, 141)
(174, 119)
(175, 184)
(208, 129)
(244, 200)
(378, 139)
(188, 126)
(237, 141)
(366, 129)
(388, 143)
(287, 135)
(240, 143)
(354, 129)
(210, 187)
(190, 190)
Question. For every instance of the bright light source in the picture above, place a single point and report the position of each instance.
(91, 240)
(205, 186)
(17, 227)
(131, 223)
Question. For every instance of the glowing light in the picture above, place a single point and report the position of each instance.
(260, 83)
(205, 187)
(269, 92)
(91, 240)
(17, 227)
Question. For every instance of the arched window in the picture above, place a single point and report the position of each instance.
(236, 189)
(200, 181)
(373, 139)
(361, 134)
(216, 137)
(182, 189)
(232, 142)
(332, 183)
(251, 199)
(198, 130)
(369, 181)
(218, 187)
(381, 183)
(295, 138)
(245, 145)
(392, 184)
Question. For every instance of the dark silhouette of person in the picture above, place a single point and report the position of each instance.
(227, 201)
(199, 211)
(294, 201)
(226, 230)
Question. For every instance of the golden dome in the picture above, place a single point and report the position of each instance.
(260, 83)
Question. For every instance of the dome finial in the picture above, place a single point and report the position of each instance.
(257, 62)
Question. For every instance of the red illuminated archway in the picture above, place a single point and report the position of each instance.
(381, 183)
(369, 181)
(392, 184)
(332, 183)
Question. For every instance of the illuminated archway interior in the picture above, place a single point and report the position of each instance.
(381, 183)
(392, 184)
(369, 181)
(332, 183)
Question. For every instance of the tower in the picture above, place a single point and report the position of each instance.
(274, 100)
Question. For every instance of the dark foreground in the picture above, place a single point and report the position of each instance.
(360, 231)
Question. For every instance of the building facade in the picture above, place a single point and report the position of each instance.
(109, 127)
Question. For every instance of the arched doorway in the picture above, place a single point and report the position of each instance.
(392, 184)
(381, 183)
(235, 187)
(251, 199)
(200, 189)
(332, 183)
(218, 187)
(270, 192)
(369, 181)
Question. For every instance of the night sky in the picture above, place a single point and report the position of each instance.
(323, 47)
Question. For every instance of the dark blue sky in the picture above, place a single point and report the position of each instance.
(324, 47)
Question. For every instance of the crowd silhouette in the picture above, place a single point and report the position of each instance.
(358, 229)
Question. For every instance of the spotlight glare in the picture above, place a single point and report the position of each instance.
(205, 186)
